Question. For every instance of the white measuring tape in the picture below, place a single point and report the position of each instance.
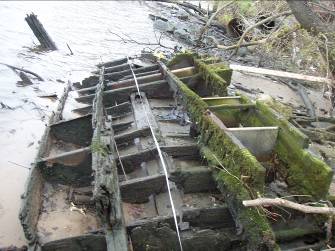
(160, 156)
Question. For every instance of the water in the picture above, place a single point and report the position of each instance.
(86, 27)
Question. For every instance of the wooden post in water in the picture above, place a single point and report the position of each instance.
(40, 33)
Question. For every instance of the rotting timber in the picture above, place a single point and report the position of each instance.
(98, 183)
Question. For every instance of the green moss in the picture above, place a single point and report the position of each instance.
(217, 77)
(305, 174)
(238, 161)
(293, 233)
(181, 57)
(256, 227)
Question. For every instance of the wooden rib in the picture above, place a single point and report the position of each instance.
(125, 137)
(138, 190)
(158, 89)
(123, 83)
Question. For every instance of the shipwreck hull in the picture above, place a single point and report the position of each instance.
(99, 184)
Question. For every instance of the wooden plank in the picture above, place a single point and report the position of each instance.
(118, 75)
(123, 83)
(193, 179)
(159, 89)
(182, 150)
(77, 243)
(125, 137)
(138, 190)
(106, 191)
(229, 106)
(121, 126)
(282, 74)
(141, 110)
(113, 62)
(77, 131)
(132, 161)
(215, 217)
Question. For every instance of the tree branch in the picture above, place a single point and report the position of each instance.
(289, 204)
(26, 71)
(209, 21)
(238, 45)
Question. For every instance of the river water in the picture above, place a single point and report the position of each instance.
(86, 27)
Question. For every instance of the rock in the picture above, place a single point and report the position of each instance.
(163, 26)
(181, 33)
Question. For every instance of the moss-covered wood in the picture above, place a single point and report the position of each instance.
(304, 173)
(237, 160)
(243, 176)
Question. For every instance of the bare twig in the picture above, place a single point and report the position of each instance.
(128, 39)
(289, 204)
(239, 43)
(19, 165)
(209, 21)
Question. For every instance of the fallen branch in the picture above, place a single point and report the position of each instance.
(266, 20)
(209, 21)
(282, 74)
(230, 47)
(26, 71)
(185, 5)
(289, 204)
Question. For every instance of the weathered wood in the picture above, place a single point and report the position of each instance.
(126, 137)
(215, 217)
(114, 111)
(119, 109)
(191, 150)
(142, 111)
(138, 190)
(113, 63)
(139, 75)
(282, 74)
(122, 83)
(286, 203)
(250, 137)
(106, 192)
(77, 131)
(40, 33)
(78, 243)
(229, 106)
(121, 126)
(57, 115)
(69, 168)
(116, 68)
(133, 161)
(159, 89)
(193, 179)
(14, 68)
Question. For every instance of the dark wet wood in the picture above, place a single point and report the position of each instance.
(40, 33)
(159, 89)
(138, 190)
(78, 243)
(126, 137)
(123, 83)
(77, 131)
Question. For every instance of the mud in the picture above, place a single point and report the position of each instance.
(59, 219)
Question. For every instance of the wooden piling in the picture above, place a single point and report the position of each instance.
(40, 33)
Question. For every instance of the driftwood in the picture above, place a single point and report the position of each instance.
(14, 68)
(289, 204)
(40, 33)
(282, 74)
